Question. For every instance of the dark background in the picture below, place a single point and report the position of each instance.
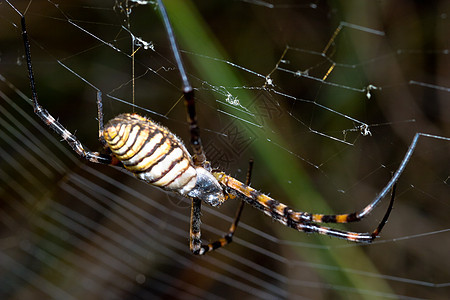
(73, 229)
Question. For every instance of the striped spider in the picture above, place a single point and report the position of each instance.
(156, 156)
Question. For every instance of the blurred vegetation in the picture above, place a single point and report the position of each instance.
(296, 161)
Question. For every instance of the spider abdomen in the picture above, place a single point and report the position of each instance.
(151, 152)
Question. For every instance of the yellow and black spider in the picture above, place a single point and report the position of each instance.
(155, 155)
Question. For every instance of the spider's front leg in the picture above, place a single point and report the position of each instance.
(303, 221)
(196, 245)
(195, 233)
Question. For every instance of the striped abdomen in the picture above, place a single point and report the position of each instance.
(151, 152)
(155, 155)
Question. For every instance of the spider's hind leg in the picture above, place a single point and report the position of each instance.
(101, 125)
(47, 118)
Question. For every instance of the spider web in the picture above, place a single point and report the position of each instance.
(325, 97)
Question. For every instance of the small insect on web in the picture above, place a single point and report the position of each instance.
(155, 155)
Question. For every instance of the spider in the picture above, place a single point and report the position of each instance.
(156, 156)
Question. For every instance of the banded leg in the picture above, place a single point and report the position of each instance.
(188, 92)
(302, 221)
(196, 243)
(101, 124)
(48, 119)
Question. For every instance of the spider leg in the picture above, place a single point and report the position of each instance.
(301, 221)
(195, 242)
(349, 235)
(383, 222)
(48, 119)
(353, 217)
(195, 238)
(199, 156)
(101, 125)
